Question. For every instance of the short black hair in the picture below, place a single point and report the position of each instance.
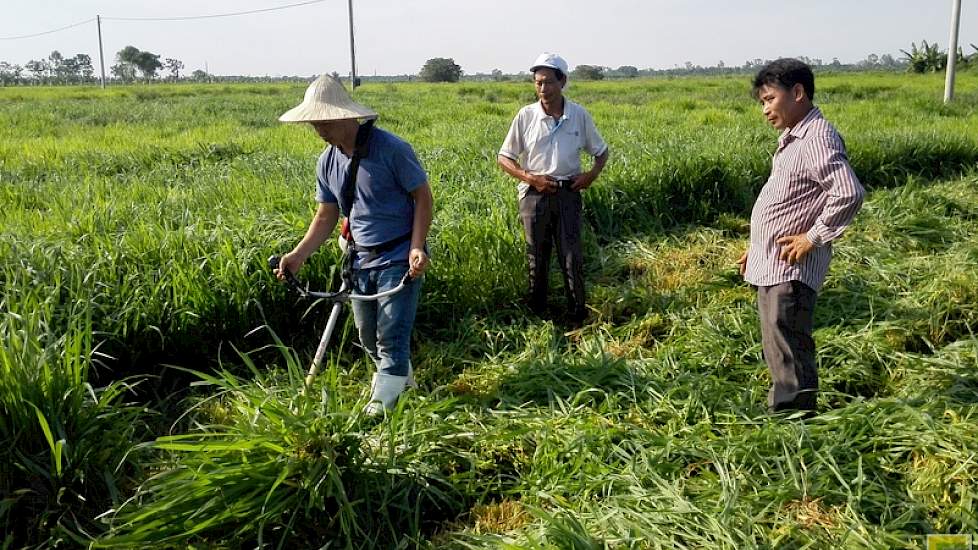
(785, 73)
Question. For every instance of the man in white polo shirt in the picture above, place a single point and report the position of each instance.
(542, 150)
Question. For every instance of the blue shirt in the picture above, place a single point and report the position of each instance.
(383, 208)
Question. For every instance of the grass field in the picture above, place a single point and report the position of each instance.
(151, 365)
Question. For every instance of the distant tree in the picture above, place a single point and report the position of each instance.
(174, 66)
(440, 69)
(38, 68)
(132, 58)
(754, 64)
(123, 71)
(148, 63)
(335, 75)
(628, 71)
(872, 61)
(70, 71)
(588, 72)
(497, 75)
(83, 63)
(198, 76)
(56, 67)
(9, 74)
(125, 67)
(128, 55)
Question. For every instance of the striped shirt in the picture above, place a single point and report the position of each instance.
(812, 190)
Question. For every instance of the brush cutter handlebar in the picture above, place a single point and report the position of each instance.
(344, 294)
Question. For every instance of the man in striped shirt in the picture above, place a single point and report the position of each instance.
(810, 198)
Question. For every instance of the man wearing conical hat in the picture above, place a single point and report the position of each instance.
(543, 151)
(388, 205)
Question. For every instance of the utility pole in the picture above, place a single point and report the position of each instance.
(353, 55)
(952, 50)
(101, 56)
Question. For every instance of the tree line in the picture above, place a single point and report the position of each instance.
(133, 64)
(928, 58)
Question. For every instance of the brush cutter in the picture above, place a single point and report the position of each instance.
(345, 294)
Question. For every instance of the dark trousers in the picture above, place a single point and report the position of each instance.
(549, 219)
(787, 316)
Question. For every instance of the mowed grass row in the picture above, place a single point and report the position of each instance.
(647, 429)
(136, 223)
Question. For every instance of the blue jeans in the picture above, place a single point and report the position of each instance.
(385, 325)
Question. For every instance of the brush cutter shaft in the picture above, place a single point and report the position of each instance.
(317, 361)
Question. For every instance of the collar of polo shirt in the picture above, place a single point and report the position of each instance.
(544, 117)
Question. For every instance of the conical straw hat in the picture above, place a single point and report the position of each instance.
(326, 99)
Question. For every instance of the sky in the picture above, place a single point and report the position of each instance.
(397, 37)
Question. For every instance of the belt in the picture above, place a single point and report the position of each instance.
(373, 251)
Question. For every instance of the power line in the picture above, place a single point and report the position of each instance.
(175, 18)
(98, 19)
(214, 15)
(50, 31)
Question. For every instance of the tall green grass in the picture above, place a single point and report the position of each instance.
(66, 449)
(136, 223)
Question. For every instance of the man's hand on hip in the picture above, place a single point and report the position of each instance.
(794, 248)
(583, 181)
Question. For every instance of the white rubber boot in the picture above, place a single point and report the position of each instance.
(384, 391)
(411, 382)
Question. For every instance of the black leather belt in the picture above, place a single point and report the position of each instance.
(373, 251)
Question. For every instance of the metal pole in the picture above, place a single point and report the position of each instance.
(952, 50)
(353, 56)
(101, 56)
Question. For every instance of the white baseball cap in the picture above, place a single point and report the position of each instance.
(550, 61)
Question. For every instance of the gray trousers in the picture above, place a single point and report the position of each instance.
(549, 219)
(787, 316)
